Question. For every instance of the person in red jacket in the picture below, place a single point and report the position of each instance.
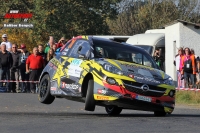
(61, 42)
(34, 66)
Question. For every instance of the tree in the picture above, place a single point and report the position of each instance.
(137, 16)
(63, 18)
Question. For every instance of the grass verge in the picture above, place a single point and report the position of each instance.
(187, 97)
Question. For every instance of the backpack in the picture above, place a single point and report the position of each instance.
(188, 66)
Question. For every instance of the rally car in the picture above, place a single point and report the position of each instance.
(102, 72)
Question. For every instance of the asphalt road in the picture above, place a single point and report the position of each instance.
(22, 113)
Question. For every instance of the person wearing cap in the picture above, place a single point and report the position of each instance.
(34, 66)
(61, 42)
(22, 69)
(5, 65)
(14, 70)
(6, 42)
(178, 64)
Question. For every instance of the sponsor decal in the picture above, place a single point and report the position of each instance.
(55, 62)
(152, 80)
(69, 86)
(102, 98)
(64, 53)
(100, 91)
(52, 65)
(147, 79)
(74, 71)
(76, 62)
(53, 88)
(136, 66)
(131, 76)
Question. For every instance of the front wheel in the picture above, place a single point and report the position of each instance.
(44, 94)
(159, 113)
(89, 101)
(113, 110)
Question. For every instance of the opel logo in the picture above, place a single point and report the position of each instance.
(145, 87)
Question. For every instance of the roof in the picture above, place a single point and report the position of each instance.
(115, 37)
(197, 26)
(147, 39)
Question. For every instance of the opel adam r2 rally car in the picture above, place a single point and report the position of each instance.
(102, 72)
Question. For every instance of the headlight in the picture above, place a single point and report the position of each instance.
(169, 81)
(112, 69)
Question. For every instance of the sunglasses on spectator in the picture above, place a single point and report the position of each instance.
(14, 47)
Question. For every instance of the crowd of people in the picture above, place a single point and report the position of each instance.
(187, 67)
(21, 68)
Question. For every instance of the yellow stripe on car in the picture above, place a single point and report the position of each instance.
(114, 63)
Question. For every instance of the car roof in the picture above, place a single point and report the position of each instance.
(104, 40)
(117, 43)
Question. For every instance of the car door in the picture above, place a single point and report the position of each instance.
(72, 67)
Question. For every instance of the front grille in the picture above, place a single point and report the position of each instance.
(135, 87)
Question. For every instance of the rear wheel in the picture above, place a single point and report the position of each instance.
(159, 113)
(89, 101)
(44, 94)
(113, 110)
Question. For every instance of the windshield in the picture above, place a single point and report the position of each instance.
(147, 48)
(128, 53)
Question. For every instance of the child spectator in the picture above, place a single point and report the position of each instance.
(50, 55)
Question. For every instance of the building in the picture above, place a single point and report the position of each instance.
(180, 34)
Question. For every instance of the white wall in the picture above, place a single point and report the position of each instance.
(179, 35)
(190, 37)
(172, 42)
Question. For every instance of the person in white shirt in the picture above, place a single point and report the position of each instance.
(6, 42)
(177, 63)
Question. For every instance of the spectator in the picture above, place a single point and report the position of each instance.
(198, 71)
(41, 52)
(50, 39)
(5, 65)
(22, 69)
(195, 57)
(6, 42)
(177, 63)
(49, 45)
(14, 70)
(193, 53)
(54, 47)
(189, 68)
(158, 58)
(34, 66)
(61, 42)
(50, 55)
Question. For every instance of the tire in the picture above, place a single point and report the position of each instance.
(44, 94)
(113, 110)
(89, 101)
(159, 113)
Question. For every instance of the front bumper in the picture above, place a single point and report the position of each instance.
(119, 96)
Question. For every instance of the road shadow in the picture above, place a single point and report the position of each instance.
(89, 115)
